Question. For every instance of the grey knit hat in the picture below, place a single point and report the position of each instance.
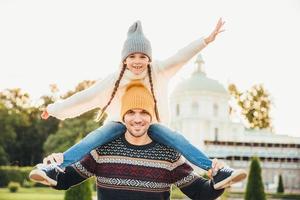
(136, 42)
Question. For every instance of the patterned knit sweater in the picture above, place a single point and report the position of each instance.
(125, 171)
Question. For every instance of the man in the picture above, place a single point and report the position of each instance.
(134, 166)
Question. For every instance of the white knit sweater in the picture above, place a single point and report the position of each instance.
(98, 95)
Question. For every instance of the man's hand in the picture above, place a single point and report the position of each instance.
(218, 29)
(216, 165)
(54, 158)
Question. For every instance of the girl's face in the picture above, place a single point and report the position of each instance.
(137, 63)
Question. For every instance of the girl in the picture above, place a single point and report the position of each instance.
(106, 94)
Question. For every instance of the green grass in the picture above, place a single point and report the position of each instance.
(46, 193)
(269, 195)
(32, 193)
(51, 194)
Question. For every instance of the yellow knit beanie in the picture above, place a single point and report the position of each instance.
(137, 96)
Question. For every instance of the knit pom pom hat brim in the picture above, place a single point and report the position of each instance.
(137, 96)
(136, 42)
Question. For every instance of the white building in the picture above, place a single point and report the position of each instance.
(200, 111)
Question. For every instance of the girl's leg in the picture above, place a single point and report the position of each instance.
(175, 140)
(96, 138)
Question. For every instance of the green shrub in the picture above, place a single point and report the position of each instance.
(94, 184)
(255, 187)
(81, 191)
(28, 184)
(13, 186)
(13, 174)
(280, 188)
(176, 193)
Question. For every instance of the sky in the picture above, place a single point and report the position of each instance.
(68, 41)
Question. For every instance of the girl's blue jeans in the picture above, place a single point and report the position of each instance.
(157, 132)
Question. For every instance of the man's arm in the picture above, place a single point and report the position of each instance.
(73, 174)
(68, 179)
(193, 185)
(201, 189)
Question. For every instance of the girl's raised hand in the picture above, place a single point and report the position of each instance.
(45, 115)
(218, 29)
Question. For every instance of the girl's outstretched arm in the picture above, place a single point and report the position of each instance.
(172, 64)
(83, 101)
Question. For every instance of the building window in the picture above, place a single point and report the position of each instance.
(216, 134)
(216, 110)
(177, 110)
(195, 108)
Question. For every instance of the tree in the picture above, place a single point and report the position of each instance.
(255, 187)
(280, 188)
(7, 134)
(35, 136)
(22, 130)
(3, 156)
(254, 105)
(15, 119)
(15, 99)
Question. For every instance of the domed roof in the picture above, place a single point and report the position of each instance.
(199, 82)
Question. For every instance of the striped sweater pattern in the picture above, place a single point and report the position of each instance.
(151, 168)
